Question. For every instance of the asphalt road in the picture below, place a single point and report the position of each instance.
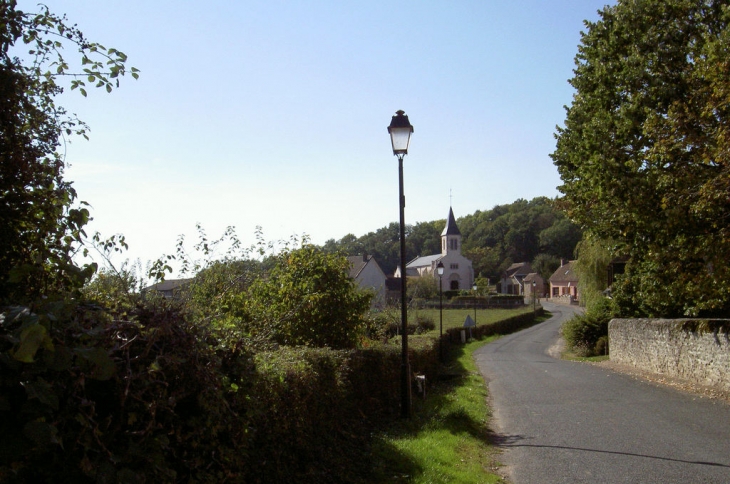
(567, 422)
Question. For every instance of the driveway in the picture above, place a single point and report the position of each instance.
(567, 422)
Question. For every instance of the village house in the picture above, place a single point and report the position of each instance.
(366, 272)
(458, 271)
(533, 285)
(513, 278)
(564, 284)
(169, 289)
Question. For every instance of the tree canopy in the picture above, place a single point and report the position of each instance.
(42, 223)
(523, 231)
(643, 154)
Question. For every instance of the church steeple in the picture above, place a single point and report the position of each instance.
(451, 236)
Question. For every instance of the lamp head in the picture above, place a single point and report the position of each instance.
(440, 268)
(400, 130)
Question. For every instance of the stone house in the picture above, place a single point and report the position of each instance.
(533, 285)
(458, 270)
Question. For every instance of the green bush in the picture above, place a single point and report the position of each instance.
(424, 324)
(587, 334)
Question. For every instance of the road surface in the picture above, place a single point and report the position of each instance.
(568, 422)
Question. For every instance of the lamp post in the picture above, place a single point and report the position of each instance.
(440, 272)
(400, 135)
(534, 288)
(475, 303)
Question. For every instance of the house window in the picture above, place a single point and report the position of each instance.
(556, 291)
(455, 266)
(454, 244)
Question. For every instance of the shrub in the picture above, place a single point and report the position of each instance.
(424, 324)
(308, 299)
(587, 334)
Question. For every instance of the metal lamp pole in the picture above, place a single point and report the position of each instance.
(440, 272)
(400, 130)
(534, 288)
(475, 304)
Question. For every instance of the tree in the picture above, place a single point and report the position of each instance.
(644, 153)
(545, 265)
(308, 299)
(560, 239)
(42, 226)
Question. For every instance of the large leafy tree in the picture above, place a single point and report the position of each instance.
(42, 223)
(308, 299)
(643, 154)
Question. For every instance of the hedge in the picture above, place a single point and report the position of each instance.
(162, 400)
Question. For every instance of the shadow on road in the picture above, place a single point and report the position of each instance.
(514, 441)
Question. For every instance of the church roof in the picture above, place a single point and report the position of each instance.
(451, 228)
(424, 261)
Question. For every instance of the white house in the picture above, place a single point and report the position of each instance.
(458, 271)
(368, 275)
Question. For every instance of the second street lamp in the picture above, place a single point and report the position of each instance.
(440, 272)
(400, 130)
(475, 304)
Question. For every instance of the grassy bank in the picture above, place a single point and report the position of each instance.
(447, 439)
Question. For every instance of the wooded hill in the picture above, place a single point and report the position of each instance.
(523, 231)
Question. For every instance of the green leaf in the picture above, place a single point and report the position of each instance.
(31, 339)
(104, 367)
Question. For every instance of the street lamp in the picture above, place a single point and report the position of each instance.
(475, 303)
(534, 288)
(400, 136)
(440, 272)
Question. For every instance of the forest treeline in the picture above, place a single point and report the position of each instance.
(523, 231)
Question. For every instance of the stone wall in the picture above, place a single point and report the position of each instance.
(696, 350)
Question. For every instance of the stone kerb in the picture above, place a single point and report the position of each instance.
(696, 350)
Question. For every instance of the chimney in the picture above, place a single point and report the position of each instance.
(365, 257)
(562, 262)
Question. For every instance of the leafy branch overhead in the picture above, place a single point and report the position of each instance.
(48, 35)
(43, 222)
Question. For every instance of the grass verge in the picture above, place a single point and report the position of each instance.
(447, 438)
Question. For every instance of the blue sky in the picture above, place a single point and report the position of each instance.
(274, 113)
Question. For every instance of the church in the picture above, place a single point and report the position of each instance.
(458, 271)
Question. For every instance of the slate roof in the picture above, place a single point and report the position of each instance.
(168, 285)
(424, 261)
(564, 273)
(357, 264)
(532, 276)
(518, 269)
(451, 228)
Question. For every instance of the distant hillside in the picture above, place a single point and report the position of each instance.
(523, 231)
